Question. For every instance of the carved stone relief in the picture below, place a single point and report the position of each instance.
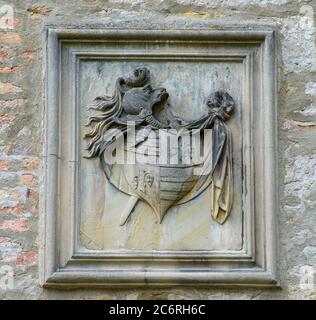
(168, 145)
(165, 183)
(154, 171)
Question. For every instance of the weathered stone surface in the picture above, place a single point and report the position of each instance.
(23, 48)
(101, 202)
(299, 44)
(310, 88)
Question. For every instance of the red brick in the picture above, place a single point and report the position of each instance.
(4, 165)
(10, 69)
(29, 180)
(6, 54)
(6, 87)
(10, 258)
(15, 103)
(4, 240)
(8, 150)
(16, 23)
(11, 38)
(6, 118)
(29, 55)
(32, 194)
(13, 210)
(28, 258)
(30, 165)
(17, 225)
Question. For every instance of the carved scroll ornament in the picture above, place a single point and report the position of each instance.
(162, 185)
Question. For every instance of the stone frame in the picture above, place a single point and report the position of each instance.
(65, 267)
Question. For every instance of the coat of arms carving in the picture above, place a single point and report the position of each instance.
(153, 155)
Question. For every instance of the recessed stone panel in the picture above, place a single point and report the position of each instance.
(188, 226)
(136, 228)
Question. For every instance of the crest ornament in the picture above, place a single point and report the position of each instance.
(135, 123)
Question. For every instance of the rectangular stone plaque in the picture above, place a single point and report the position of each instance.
(99, 230)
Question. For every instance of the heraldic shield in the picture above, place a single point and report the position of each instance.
(155, 156)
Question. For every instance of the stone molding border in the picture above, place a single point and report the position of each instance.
(63, 266)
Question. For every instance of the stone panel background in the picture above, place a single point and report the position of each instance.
(185, 227)
(21, 134)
